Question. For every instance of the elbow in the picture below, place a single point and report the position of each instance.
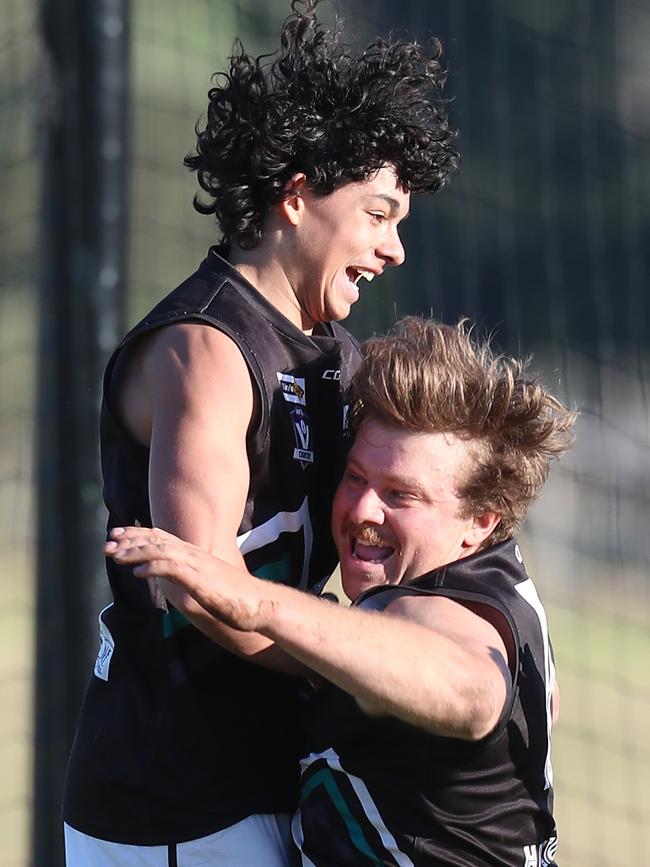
(470, 717)
(479, 729)
(482, 714)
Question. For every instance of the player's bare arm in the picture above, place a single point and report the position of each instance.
(440, 667)
(479, 667)
(188, 397)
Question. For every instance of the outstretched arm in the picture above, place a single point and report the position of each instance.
(429, 661)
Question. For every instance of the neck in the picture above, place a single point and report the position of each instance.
(262, 267)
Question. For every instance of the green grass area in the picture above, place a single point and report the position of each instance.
(600, 751)
(18, 323)
(16, 731)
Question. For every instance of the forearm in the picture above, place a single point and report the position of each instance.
(441, 670)
(253, 646)
(389, 665)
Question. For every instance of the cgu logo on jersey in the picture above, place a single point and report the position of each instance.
(333, 375)
(293, 388)
(302, 452)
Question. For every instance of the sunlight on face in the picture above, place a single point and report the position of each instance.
(346, 237)
(396, 511)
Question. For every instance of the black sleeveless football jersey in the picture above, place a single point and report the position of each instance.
(376, 790)
(178, 738)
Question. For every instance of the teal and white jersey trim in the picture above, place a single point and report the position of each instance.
(271, 530)
(527, 591)
(257, 538)
(365, 808)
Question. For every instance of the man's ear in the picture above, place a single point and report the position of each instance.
(480, 528)
(292, 205)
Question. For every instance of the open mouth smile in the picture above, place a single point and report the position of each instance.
(355, 274)
(371, 553)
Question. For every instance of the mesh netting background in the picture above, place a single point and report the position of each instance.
(543, 239)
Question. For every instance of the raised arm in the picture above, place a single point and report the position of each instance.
(429, 661)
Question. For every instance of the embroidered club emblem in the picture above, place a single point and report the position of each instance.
(302, 452)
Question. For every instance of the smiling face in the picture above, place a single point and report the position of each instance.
(342, 238)
(397, 513)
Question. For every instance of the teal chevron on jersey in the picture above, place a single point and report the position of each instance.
(270, 531)
(357, 809)
(325, 777)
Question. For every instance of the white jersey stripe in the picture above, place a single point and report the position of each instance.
(527, 591)
(271, 530)
(331, 757)
(299, 839)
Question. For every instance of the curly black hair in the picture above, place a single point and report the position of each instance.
(313, 107)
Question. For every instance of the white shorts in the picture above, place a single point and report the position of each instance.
(258, 841)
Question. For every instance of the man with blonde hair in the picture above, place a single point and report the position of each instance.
(430, 743)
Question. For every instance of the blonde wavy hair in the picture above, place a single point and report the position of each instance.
(425, 376)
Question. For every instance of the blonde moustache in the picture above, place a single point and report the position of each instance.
(369, 536)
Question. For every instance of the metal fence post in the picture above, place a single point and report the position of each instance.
(82, 289)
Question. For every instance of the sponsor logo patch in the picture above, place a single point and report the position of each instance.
(334, 375)
(293, 388)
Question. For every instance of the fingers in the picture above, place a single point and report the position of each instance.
(152, 561)
(225, 592)
(153, 553)
(155, 535)
(136, 550)
(136, 544)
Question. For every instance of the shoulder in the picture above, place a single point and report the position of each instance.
(438, 612)
(176, 368)
(474, 622)
(193, 359)
(190, 343)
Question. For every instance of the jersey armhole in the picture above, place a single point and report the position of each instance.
(260, 416)
(461, 596)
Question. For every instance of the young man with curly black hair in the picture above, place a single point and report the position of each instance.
(222, 422)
